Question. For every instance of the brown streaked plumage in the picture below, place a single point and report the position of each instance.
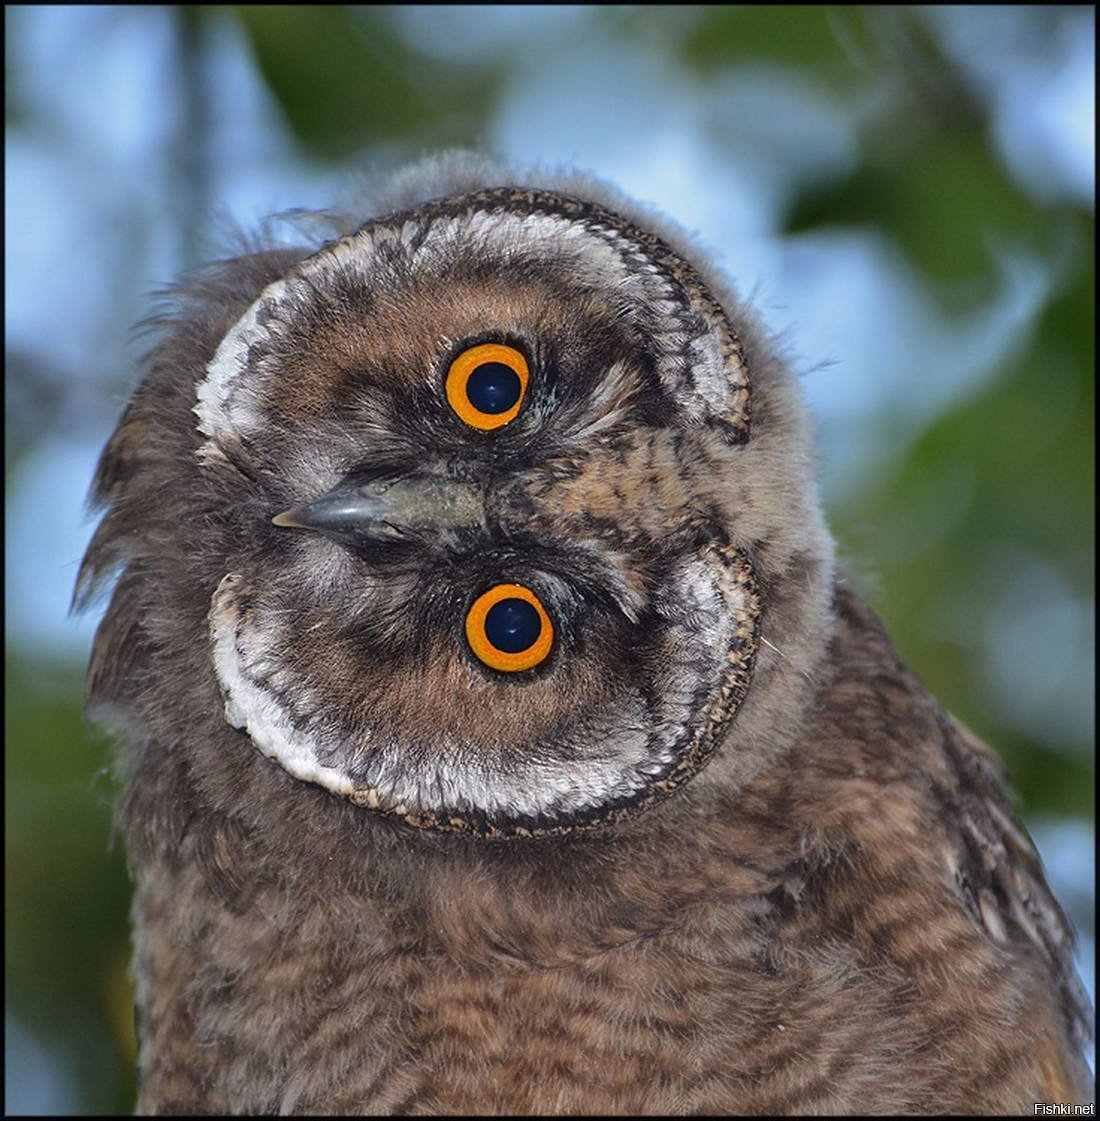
(720, 853)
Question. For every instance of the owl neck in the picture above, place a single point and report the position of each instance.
(548, 903)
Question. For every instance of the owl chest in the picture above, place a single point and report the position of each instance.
(640, 1029)
(346, 1014)
(646, 1029)
(601, 1037)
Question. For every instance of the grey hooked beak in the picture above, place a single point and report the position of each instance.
(389, 510)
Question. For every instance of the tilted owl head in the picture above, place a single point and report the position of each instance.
(497, 505)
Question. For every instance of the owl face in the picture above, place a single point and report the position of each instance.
(493, 572)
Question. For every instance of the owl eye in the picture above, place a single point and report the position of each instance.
(508, 628)
(486, 383)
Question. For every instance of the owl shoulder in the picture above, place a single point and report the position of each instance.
(943, 877)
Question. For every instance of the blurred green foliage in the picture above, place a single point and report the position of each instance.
(345, 78)
(1024, 446)
(1010, 469)
(67, 889)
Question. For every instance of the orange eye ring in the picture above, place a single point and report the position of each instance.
(479, 626)
(479, 359)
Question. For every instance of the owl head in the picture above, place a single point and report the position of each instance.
(491, 513)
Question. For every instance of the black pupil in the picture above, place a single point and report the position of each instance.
(493, 387)
(512, 625)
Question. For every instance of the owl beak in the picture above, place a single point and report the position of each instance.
(389, 510)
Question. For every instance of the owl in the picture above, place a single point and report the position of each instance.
(499, 734)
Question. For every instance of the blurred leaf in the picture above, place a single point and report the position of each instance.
(943, 197)
(816, 39)
(67, 889)
(345, 78)
(1032, 493)
(928, 175)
